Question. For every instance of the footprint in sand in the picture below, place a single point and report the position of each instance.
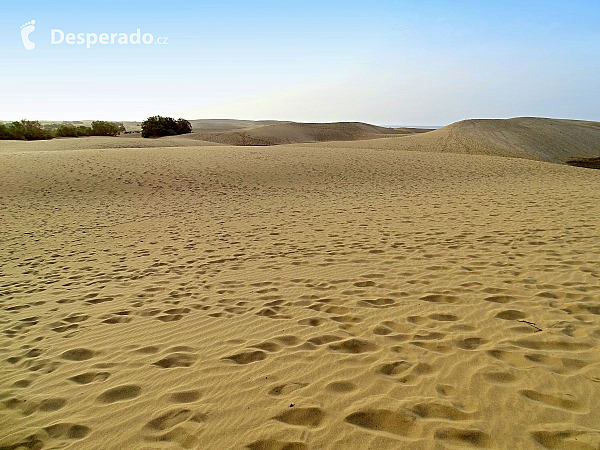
(353, 346)
(284, 389)
(567, 438)
(440, 298)
(499, 377)
(268, 347)
(394, 368)
(556, 364)
(444, 317)
(52, 404)
(420, 370)
(247, 357)
(68, 431)
(304, 417)
(311, 322)
(119, 394)
(470, 343)
(324, 339)
(78, 354)
(273, 444)
(185, 396)
(434, 410)
(561, 401)
(499, 298)
(552, 345)
(511, 314)
(383, 420)
(177, 359)
(459, 436)
(90, 377)
(172, 418)
(341, 387)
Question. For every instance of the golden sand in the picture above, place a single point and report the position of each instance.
(296, 297)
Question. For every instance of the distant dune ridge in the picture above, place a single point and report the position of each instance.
(230, 124)
(294, 133)
(553, 140)
(550, 140)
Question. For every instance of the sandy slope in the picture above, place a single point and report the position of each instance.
(213, 124)
(237, 133)
(297, 297)
(552, 140)
(97, 142)
(229, 124)
(294, 133)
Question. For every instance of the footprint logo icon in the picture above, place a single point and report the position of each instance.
(26, 30)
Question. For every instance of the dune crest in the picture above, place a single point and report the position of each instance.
(540, 139)
(552, 140)
(295, 133)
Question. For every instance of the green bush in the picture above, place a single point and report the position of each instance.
(28, 130)
(66, 131)
(32, 130)
(183, 126)
(157, 126)
(5, 132)
(102, 128)
(84, 131)
(73, 131)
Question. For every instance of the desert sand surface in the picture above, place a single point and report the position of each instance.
(98, 142)
(541, 139)
(316, 296)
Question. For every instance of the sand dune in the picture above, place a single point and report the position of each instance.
(552, 140)
(238, 132)
(294, 133)
(297, 297)
(214, 124)
(197, 124)
(97, 142)
(230, 124)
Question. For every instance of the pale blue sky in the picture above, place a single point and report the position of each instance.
(384, 62)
